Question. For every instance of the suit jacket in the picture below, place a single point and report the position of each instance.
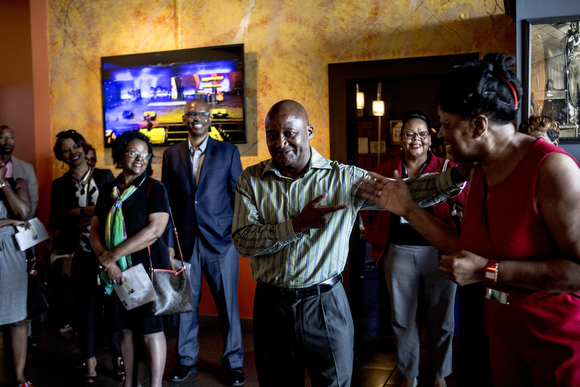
(26, 171)
(207, 210)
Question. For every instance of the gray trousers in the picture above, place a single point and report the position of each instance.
(414, 282)
(314, 333)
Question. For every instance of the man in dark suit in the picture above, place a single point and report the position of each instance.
(200, 175)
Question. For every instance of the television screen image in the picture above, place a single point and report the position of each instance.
(148, 92)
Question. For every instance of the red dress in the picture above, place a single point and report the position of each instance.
(537, 335)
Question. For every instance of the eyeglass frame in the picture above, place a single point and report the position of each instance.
(134, 154)
(193, 114)
(413, 134)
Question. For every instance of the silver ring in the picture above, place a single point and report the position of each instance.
(379, 194)
(114, 282)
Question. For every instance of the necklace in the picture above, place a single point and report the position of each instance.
(85, 180)
(86, 177)
(484, 215)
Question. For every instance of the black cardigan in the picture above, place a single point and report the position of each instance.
(62, 199)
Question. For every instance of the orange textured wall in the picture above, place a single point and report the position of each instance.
(16, 96)
(288, 44)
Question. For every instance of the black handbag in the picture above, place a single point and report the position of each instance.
(37, 300)
(172, 286)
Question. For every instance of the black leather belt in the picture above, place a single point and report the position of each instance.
(298, 293)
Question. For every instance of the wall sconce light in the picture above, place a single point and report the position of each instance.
(360, 99)
(378, 104)
(379, 111)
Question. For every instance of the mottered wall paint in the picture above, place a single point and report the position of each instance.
(288, 46)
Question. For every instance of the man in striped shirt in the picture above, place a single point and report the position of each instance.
(293, 216)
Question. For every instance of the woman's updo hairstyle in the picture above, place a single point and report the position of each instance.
(73, 135)
(407, 116)
(489, 88)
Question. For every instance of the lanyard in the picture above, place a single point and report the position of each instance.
(406, 175)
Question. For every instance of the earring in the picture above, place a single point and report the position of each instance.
(62, 167)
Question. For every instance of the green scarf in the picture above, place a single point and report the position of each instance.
(115, 231)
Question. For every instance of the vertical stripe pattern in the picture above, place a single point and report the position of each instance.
(266, 202)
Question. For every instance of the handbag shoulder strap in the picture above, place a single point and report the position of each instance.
(175, 233)
(151, 268)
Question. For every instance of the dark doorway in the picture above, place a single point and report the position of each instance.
(406, 84)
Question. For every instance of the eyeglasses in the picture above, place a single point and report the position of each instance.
(134, 154)
(193, 114)
(411, 135)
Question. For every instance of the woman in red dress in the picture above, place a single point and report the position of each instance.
(521, 227)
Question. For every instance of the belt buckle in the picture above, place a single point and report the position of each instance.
(496, 295)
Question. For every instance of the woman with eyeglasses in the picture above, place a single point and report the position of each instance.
(410, 262)
(73, 197)
(130, 218)
(521, 231)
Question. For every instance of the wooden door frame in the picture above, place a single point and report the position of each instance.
(341, 90)
(342, 78)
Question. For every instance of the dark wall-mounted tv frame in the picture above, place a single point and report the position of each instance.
(149, 91)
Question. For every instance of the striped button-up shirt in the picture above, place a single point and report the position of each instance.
(267, 201)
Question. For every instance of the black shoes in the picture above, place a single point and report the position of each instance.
(182, 372)
(236, 378)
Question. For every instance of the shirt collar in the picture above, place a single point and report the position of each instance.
(202, 147)
(316, 162)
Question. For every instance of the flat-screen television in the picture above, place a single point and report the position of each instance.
(148, 92)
